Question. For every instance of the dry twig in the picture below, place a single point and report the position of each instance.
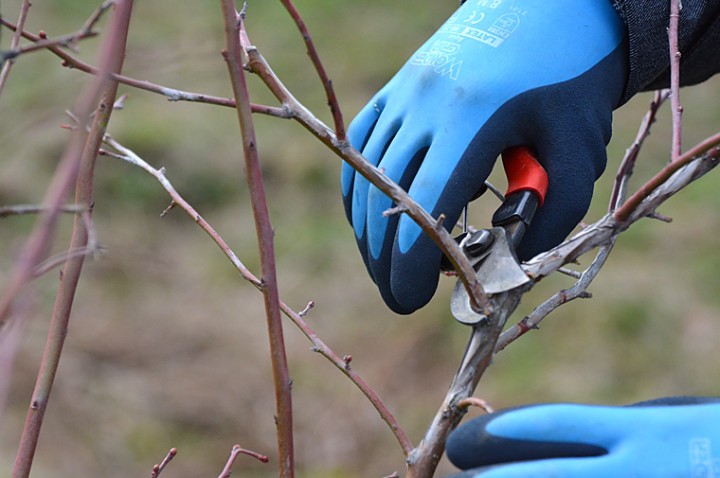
(172, 94)
(319, 345)
(157, 469)
(238, 450)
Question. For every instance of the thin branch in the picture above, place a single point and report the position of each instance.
(157, 469)
(14, 43)
(677, 109)
(577, 291)
(627, 165)
(47, 43)
(172, 94)
(60, 259)
(297, 318)
(283, 398)
(64, 40)
(238, 450)
(317, 63)
(623, 213)
(113, 54)
(23, 209)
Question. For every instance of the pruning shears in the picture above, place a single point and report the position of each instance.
(492, 251)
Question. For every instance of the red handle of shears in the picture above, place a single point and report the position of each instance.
(524, 172)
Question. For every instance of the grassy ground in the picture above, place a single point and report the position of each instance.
(167, 346)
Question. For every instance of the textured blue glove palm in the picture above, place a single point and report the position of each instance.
(497, 74)
(665, 438)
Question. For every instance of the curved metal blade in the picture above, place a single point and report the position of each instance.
(498, 272)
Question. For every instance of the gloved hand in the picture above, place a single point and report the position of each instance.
(665, 438)
(497, 74)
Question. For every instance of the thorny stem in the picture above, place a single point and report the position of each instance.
(113, 54)
(265, 235)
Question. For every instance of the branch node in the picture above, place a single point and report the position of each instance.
(660, 217)
(394, 210)
(466, 403)
(157, 469)
(168, 209)
(570, 272)
(307, 308)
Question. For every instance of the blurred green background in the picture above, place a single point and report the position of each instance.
(167, 346)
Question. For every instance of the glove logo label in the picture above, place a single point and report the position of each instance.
(441, 57)
(463, 28)
(464, 25)
(702, 463)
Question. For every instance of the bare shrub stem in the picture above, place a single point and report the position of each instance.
(283, 398)
(113, 54)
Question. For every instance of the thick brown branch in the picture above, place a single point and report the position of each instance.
(113, 54)
(265, 235)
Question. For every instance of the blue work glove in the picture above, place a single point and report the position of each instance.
(676, 437)
(498, 73)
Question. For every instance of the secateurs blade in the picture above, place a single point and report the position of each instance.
(492, 251)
